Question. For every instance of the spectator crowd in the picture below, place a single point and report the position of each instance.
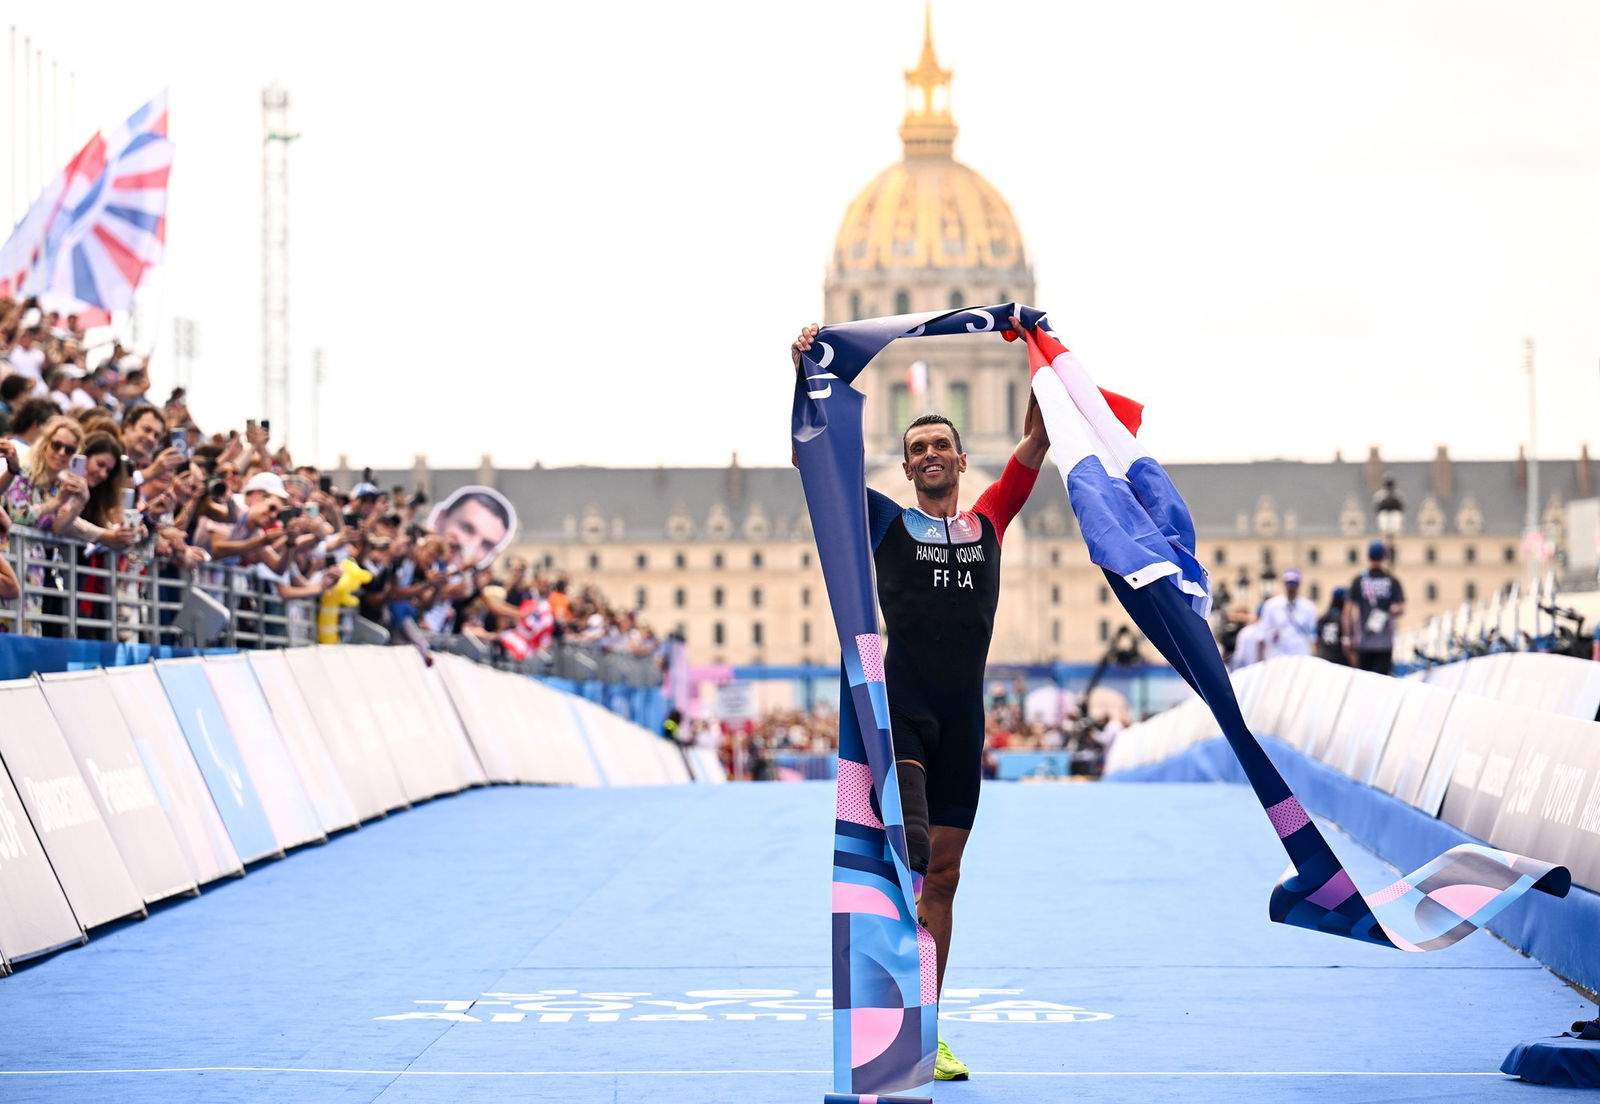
(132, 491)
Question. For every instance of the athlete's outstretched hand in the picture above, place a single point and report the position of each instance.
(803, 343)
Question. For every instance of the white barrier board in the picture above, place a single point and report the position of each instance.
(324, 786)
(1493, 736)
(176, 776)
(63, 812)
(478, 714)
(1364, 723)
(450, 719)
(1414, 739)
(34, 915)
(363, 761)
(109, 762)
(1551, 808)
(283, 796)
(425, 768)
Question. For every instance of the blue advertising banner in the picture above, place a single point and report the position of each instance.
(200, 716)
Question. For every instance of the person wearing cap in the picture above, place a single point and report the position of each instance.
(1375, 600)
(1288, 620)
(256, 537)
(1330, 629)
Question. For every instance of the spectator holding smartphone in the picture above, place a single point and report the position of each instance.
(46, 494)
(142, 429)
(100, 521)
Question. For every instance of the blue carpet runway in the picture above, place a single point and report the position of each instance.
(670, 945)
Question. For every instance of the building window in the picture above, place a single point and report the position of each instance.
(957, 300)
(755, 597)
(902, 302)
(1011, 408)
(641, 561)
(899, 408)
(1351, 556)
(594, 561)
(716, 599)
(1055, 596)
(755, 633)
(679, 561)
(1105, 596)
(1316, 592)
(1509, 553)
(1055, 557)
(957, 407)
(680, 597)
(1433, 592)
(716, 560)
(1313, 554)
(855, 306)
(1430, 554)
(1471, 592)
(1470, 553)
(716, 633)
(638, 599)
(549, 560)
(1220, 557)
(805, 559)
(805, 596)
(755, 559)
(1055, 632)
(1105, 630)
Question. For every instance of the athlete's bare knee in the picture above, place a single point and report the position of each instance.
(942, 882)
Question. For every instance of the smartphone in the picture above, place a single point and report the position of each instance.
(80, 466)
(326, 483)
(266, 426)
(313, 510)
(180, 441)
(286, 516)
(250, 424)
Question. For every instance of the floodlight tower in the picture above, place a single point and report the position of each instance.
(275, 139)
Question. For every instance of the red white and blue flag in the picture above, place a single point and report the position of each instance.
(87, 241)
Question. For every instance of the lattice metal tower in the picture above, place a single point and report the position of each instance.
(275, 139)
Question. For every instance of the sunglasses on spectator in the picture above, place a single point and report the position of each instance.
(68, 447)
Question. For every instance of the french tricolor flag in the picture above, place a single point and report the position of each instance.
(1134, 521)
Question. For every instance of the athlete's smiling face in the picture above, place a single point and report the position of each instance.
(932, 463)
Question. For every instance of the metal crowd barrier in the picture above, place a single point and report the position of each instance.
(69, 591)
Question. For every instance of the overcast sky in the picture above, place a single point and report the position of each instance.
(586, 233)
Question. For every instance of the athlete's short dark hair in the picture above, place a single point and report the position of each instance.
(929, 419)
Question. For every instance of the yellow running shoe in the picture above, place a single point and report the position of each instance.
(947, 1067)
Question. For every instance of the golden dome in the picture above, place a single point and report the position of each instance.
(930, 210)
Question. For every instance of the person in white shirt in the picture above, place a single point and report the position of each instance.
(27, 359)
(1288, 620)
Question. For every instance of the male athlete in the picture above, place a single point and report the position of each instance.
(938, 570)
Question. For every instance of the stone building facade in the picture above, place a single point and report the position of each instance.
(726, 554)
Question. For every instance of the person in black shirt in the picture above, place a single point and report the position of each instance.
(1330, 629)
(1375, 600)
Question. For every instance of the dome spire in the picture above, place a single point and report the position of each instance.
(929, 130)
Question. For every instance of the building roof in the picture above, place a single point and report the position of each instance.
(1226, 499)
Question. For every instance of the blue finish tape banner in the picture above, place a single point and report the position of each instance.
(200, 716)
(1139, 531)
